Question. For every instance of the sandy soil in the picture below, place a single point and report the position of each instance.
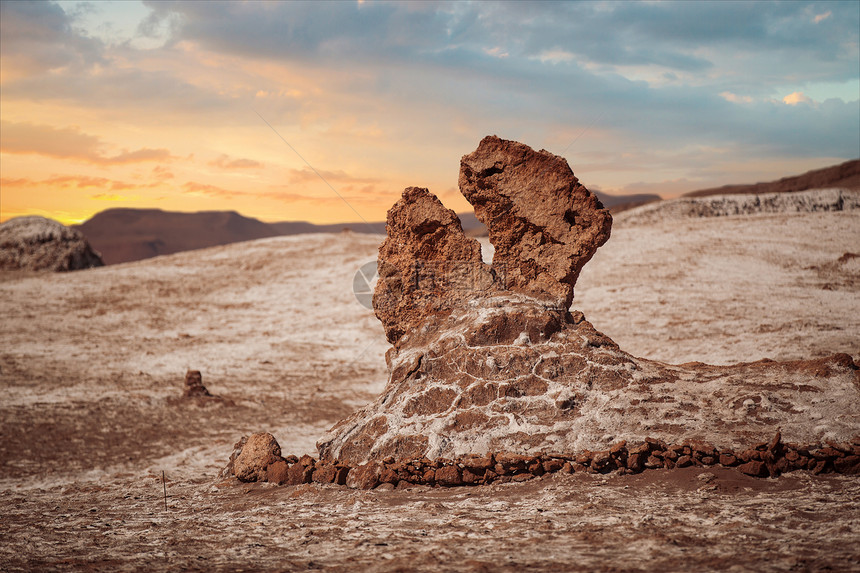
(92, 363)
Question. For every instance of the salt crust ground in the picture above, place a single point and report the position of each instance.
(90, 362)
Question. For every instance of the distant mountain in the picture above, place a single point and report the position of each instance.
(618, 203)
(123, 235)
(844, 176)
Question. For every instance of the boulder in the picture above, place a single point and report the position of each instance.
(259, 451)
(40, 244)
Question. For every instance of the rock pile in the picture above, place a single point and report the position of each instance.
(259, 460)
(40, 244)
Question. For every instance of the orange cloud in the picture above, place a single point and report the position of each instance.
(797, 98)
(68, 143)
(225, 162)
(74, 181)
(195, 188)
(113, 197)
(305, 174)
(162, 173)
(823, 16)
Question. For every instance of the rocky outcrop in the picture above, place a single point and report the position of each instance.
(543, 223)
(507, 368)
(812, 201)
(510, 374)
(40, 244)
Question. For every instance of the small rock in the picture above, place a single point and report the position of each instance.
(299, 474)
(277, 472)
(194, 385)
(754, 468)
(324, 473)
(849, 465)
(449, 476)
(258, 452)
(365, 476)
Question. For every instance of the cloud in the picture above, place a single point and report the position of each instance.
(195, 188)
(68, 143)
(734, 98)
(823, 16)
(39, 36)
(162, 173)
(226, 162)
(306, 174)
(74, 182)
(797, 98)
(114, 197)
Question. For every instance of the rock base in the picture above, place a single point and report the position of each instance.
(769, 459)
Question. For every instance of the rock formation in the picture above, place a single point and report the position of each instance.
(543, 223)
(40, 244)
(496, 363)
(194, 385)
(426, 263)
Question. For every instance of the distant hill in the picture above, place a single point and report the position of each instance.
(618, 203)
(844, 176)
(124, 235)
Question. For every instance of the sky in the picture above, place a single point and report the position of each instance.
(326, 111)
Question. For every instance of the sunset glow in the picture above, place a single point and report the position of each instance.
(325, 111)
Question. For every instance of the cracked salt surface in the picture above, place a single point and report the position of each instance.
(89, 363)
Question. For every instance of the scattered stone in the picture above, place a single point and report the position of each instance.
(754, 468)
(324, 473)
(449, 476)
(229, 470)
(277, 472)
(365, 476)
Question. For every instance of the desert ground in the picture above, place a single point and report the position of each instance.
(92, 366)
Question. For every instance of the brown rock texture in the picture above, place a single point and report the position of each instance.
(40, 244)
(500, 369)
(259, 452)
(426, 263)
(543, 223)
(194, 385)
(766, 459)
